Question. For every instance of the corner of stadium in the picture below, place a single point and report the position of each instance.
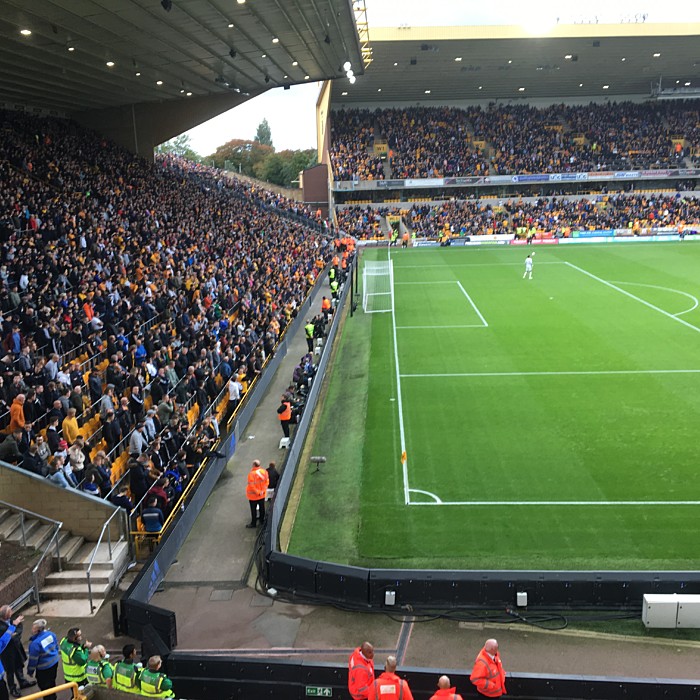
(232, 612)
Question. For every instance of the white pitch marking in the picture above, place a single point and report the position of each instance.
(429, 282)
(478, 313)
(667, 289)
(429, 328)
(430, 494)
(398, 394)
(556, 374)
(420, 267)
(552, 503)
(632, 296)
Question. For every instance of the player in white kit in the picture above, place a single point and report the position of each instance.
(528, 266)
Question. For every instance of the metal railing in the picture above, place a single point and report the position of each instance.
(57, 525)
(77, 695)
(105, 528)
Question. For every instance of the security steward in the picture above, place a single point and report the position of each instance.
(98, 670)
(258, 481)
(309, 334)
(445, 690)
(488, 675)
(334, 289)
(127, 672)
(388, 686)
(284, 413)
(155, 684)
(361, 671)
(74, 655)
(326, 308)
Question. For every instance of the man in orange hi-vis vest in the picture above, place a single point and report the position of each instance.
(488, 675)
(258, 480)
(361, 671)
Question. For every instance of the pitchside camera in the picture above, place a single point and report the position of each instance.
(318, 460)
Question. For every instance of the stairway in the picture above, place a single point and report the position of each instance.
(70, 584)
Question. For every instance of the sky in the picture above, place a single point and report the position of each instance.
(292, 113)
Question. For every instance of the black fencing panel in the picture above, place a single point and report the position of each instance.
(135, 616)
(337, 582)
(292, 574)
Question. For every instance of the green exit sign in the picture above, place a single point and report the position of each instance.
(317, 691)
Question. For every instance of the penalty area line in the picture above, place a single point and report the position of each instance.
(553, 503)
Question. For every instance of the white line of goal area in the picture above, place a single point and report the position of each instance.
(483, 323)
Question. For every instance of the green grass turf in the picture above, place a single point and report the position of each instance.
(601, 428)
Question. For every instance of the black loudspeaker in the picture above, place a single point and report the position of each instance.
(292, 574)
(137, 616)
(347, 583)
(408, 588)
(454, 589)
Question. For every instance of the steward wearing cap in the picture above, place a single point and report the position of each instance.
(155, 684)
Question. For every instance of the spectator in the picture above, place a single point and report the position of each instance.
(43, 657)
(70, 427)
(56, 475)
(122, 500)
(33, 463)
(138, 442)
(488, 675)
(9, 448)
(152, 516)
(5, 641)
(13, 655)
(43, 452)
(17, 413)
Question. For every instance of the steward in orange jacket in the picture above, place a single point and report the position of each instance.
(445, 691)
(488, 675)
(258, 480)
(361, 671)
(389, 686)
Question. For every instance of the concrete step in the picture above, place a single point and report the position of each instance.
(8, 525)
(4, 512)
(69, 547)
(30, 525)
(77, 578)
(102, 560)
(76, 591)
(40, 536)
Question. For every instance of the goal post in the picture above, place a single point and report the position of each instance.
(378, 286)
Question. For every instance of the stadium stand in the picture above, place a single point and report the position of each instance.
(130, 293)
(429, 142)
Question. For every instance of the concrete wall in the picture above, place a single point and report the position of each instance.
(80, 513)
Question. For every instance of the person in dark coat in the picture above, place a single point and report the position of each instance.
(13, 655)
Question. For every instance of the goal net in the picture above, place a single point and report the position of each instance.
(378, 286)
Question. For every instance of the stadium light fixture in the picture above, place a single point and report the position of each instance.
(25, 32)
(657, 55)
(569, 56)
(623, 59)
(138, 74)
(510, 60)
(379, 89)
(427, 92)
(458, 59)
(580, 84)
(395, 64)
(687, 84)
(347, 66)
(110, 64)
(344, 93)
(275, 40)
(481, 87)
(606, 87)
(295, 63)
(306, 77)
(241, 2)
(71, 48)
(189, 94)
(352, 80)
(159, 82)
(264, 56)
(521, 89)
(230, 25)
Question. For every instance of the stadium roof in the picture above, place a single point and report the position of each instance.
(202, 47)
(489, 63)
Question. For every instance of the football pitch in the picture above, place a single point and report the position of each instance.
(550, 423)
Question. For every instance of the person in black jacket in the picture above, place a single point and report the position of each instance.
(111, 431)
(139, 483)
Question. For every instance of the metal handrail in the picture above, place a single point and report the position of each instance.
(94, 553)
(77, 695)
(35, 570)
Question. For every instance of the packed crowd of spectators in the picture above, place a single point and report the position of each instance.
(429, 142)
(360, 222)
(555, 214)
(130, 293)
(352, 135)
